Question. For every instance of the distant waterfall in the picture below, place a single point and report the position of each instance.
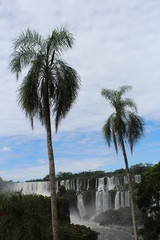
(39, 188)
(106, 192)
(81, 207)
(117, 200)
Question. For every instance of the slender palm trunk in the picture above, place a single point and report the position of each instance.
(52, 183)
(130, 192)
(51, 162)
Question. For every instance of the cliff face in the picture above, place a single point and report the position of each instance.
(92, 196)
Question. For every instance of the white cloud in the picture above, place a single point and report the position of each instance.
(22, 173)
(5, 149)
(116, 43)
(42, 161)
(79, 165)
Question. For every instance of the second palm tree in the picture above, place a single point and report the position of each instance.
(123, 125)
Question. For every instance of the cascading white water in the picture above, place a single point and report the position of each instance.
(78, 185)
(125, 180)
(127, 199)
(117, 200)
(88, 184)
(80, 205)
(110, 183)
(100, 196)
(40, 188)
(122, 199)
(106, 201)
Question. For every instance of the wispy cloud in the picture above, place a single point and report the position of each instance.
(5, 149)
(117, 42)
(26, 172)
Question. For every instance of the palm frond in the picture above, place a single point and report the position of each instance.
(28, 96)
(114, 138)
(128, 102)
(123, 89)
(67, 84)
(135, 129)
(109, 95)
(60, 40)
(28, 39)
(107, 131)
(126, 124)
(20, 60)
(26, 48)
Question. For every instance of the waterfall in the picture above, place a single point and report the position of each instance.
(122, 199)
(125, 180)
(117, 200)
(80, 205)
(100, 195)
(127, 199)
(103, 193)
(65, 183)
(40, 188)
(110, 183)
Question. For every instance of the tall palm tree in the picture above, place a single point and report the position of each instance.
(49, 88)
(123, 126)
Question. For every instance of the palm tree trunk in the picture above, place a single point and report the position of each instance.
(51, 163)
(130, 192)
(52, 183)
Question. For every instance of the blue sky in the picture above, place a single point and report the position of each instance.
(116, 43)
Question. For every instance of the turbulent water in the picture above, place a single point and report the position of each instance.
(110, 232)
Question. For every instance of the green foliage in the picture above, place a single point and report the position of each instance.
(76, 232)
(24, 217)
(151, 229)
(50, 84)
(148, 190)
(120, 172)
(140, 168)
(63, 210)
(64, 176)
(81, 175)
(70, 195)
(148, 200)
(123, 124)
(121, 216)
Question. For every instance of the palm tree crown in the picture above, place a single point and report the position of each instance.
(123, 123)
(49, 79)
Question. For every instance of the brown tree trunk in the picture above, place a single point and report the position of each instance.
(52, 183)
(51, 161)
(130, 192)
